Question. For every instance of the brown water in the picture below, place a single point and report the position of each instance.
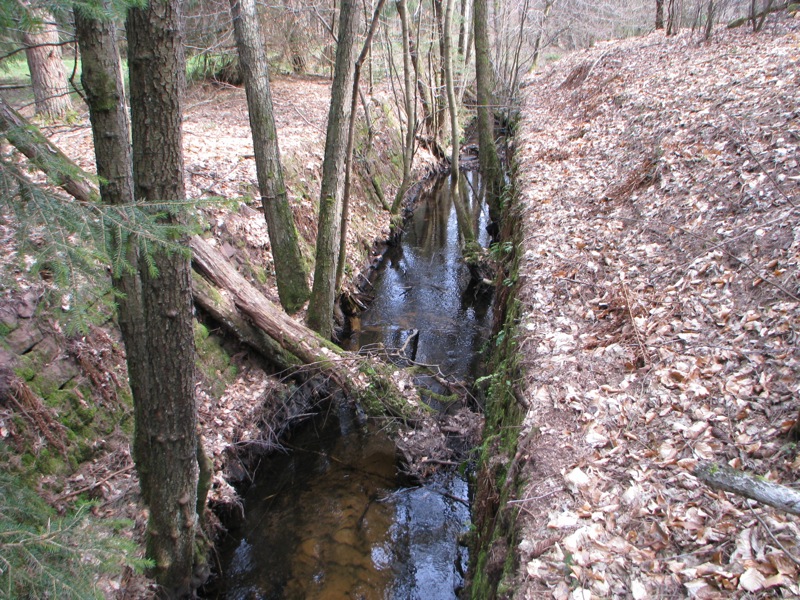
(330, 519)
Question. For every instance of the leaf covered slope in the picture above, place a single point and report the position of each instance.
(659, 285)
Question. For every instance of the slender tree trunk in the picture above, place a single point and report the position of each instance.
(491, 171)
(320, 308)
(291, 272)
(162, 369)
(447, 61)
(40, 151)
(351, 134)
(659, 14)
(42, 49)
(409, 105)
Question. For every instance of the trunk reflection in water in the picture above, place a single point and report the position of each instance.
(424, 285)
(330, 520)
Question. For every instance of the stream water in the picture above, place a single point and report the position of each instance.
(331, 519)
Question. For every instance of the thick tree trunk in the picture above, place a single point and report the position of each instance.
(491, 170)
(291, 272)
(320, 309)
(161, 367)
(42, 49)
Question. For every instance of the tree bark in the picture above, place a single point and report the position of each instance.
(723, 477)
(409, 105)
(447, 61)
(221, 307)
(291, 271)
(43, 153)
(49, 82)
(659, 14)
(351, 134)
(491, 170)
(320, 308)
(161, 368)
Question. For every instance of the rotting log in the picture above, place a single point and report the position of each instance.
(723, 477)
(218, 304)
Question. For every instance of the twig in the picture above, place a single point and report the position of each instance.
(633, 323)
(90, 487)
(772, 535)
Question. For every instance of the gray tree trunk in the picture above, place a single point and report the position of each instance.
(409, 106)
(161, 368)
(447, 61)
(291, 271)
(42, 49)
(491, 170)
(320, 308)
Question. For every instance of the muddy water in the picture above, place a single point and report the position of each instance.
(330, 519)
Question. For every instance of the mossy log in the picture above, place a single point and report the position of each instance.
(219, 305)
(723, 477)
(362, 378)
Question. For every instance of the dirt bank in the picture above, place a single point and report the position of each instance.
(656, 310)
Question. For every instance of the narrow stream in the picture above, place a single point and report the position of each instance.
(331, 519)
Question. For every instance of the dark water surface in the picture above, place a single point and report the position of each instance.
(331, 519)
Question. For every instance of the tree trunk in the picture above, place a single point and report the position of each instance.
(447, 63)
(291, 272)
(659, 14)
(491, 171)
(221, 307)
(361, 378)
(161, 366)
(42, 49)
(42, 153)
(410, 108)
(351, 134)
(320, 308)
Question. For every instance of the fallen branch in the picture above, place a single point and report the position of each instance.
(723, 477)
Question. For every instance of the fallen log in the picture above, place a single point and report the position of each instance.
(723, 477)
(365, 379)
(221, 308)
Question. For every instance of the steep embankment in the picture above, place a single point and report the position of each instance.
(657, 309)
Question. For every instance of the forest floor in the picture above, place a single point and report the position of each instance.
(659, 284)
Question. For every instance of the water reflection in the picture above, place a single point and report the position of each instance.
(331, 522)
(424, 285)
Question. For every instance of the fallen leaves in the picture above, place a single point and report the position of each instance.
(660, 314)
